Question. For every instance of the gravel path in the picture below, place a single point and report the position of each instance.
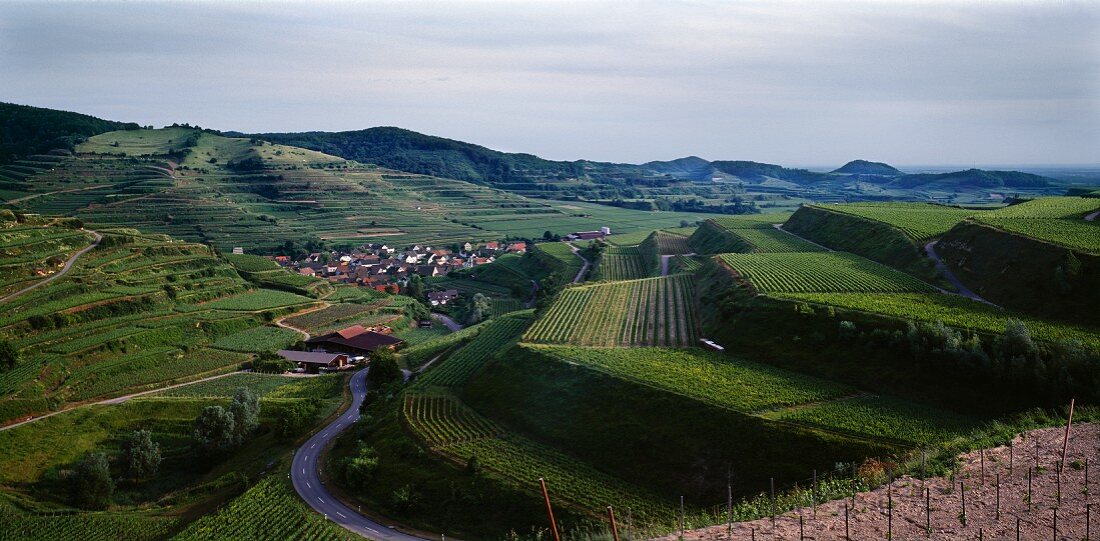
(64, 270)
(930, 249)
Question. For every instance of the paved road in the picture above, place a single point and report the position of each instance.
(305, 473)
(62, 272)
(305, 334)
(447, 321)
(584, 268)
(930, 249)
(1092, 216)
(111, 401)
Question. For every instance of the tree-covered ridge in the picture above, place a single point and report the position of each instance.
(864, 167)
(26, 130)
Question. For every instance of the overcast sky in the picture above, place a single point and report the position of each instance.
(813, 83)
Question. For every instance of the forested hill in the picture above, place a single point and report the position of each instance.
(26, 130)
(406, 150)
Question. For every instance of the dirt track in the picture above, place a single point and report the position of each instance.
(868, 518)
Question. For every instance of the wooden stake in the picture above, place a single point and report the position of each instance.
(1029, 489)
(890, 511)
(962, 491)
(1055, 524)
(771, 481)
(729, 507)
(549, 509)
(614, 529)
(998, 496)
(1065, 440)
(846, 536)
(681, 517)
(1017, 528)
(981, 453)
(801, 533)
(1088, 520)
(629, 523)
(813, 495)
(1010, 457)
(927, 512)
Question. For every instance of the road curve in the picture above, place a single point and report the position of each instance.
(930, 249)
(447, 321)
(62, 272)
(305, 473)
(584, 267)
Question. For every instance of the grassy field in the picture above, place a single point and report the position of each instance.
(832, 272)
(652, 311)
(881, 417)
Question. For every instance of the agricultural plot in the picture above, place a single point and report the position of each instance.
(260, 384)
(446, 425)
(750, 221)
(415, 335)
(259, 339)
(921, 222)
(881, 418)
(697, 374)
(683, 263)
(832, 272)
(268, 510)
(30, 253)
(84, 526)
(652, 311)
(558, 256)
(622, 263)
(672, 243)
(504, 306)
(332, 315)
(1073, 234)
(258, 300)
(952, 310)
(772, 240)
(1048, 208)
(494, 338)
(628, 239)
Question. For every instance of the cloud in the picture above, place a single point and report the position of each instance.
(789, 82)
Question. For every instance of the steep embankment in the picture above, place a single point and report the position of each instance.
(711, 238)
(1022, 273)
(871, 239)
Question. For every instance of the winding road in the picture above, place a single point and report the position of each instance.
(584, 268)
(305, 473)
(930, 249)
(64, 270)
(446, 320)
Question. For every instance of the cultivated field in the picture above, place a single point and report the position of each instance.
(834, 272)
(652, 311)
(919, 221)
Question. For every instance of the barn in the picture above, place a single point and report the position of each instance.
(315, 361)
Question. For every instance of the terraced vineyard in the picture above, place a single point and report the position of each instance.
(672, 243)
(881, 417)
(919, 221)
(495, 337)
(1047, 208)
(446, 425)
(268, 510)
(771, 240)
(622, 263)
(702, 375)
(750, 221)
(682, 263)
(258, 339)
(832, 272)
(30, 253)
(84, 526)
(652, 311)
(952, 310)
(558, 256)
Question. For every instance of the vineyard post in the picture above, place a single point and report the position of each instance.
(846, 536)
(1055, 524)
(753, 530)
(1058, 486)
(614, 529)
(729, 506)
(1036, 453)
(1017, 528)
(549, 509)
(1065, 439)
(1010, 456)
(813, 495)
(981, 534)
(1088, 520)
(1086, 478)
(890, 511)
(681, 517)
(801, 534)
(1029, 489)
(962, 493)
(927, 512)
(981, 454)
(998, 496)
(771, 481)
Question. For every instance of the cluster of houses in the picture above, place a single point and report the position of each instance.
(385, 268)
(342, 348)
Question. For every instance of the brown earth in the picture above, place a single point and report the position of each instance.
(870, 516)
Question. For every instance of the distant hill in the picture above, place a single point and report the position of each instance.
(757, 172)
(691, 167)
(976, 178)
(26, 130)
(864, 167)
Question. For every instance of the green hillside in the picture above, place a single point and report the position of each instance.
(28, 131)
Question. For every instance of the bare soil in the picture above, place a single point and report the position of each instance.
(870, 517)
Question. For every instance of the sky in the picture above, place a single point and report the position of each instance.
(793, 83)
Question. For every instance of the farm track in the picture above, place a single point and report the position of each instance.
(780, 228)
(964, 291)
(1092, 217)
(281, 323)
(584, 267)
(64, 270)
(71, 190)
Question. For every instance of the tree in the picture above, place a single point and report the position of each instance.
(415, 288)
(92, 485)
(360, 467)
(479, 306)
(215, 430)
(291, 419)
(9, 355)
(246, 414)
(383, 368)
(142, 454)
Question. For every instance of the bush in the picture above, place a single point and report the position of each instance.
(92, 485)
(142, 454)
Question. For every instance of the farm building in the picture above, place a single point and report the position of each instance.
(315, 361)
(437, 298)
(588, 235)
(355, 340)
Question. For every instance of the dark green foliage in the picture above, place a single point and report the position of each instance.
(384, 369)
(92, 485)
(292, 419)
(245, 409)
(9, 355)
(415, 288)
(26, 130)
(215, 430)
(976, 178)
(864, 167)
(142, 454)
(271, 363)
(755, 171)
(359, 467)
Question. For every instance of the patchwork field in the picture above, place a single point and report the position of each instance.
(920, 221)
(651, 311)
